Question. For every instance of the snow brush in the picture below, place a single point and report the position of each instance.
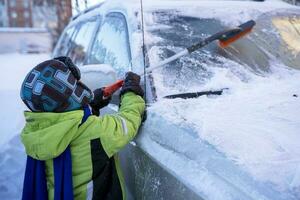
(225, 38)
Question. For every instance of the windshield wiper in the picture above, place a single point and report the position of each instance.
(190, 95)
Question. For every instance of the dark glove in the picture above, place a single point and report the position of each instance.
(132, 84)
(98, 102)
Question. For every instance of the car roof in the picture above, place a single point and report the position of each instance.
(229, 10)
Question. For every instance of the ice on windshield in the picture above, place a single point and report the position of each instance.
(255, 123)
(171, 32)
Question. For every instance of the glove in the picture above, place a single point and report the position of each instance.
(98, 102)
(132, 84)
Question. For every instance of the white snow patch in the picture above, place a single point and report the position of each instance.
(14, 68)
(23, 30)
(255, 123)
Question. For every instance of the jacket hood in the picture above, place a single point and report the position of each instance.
(46, 135)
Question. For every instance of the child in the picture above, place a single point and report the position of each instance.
(71, 154)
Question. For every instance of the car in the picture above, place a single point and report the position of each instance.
(243, 144)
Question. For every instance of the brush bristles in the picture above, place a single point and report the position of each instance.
(226, 43)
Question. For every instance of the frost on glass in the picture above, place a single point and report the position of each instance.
(66, 42)
(194, 70)
(171, 32)
(81, 42)
(111, 45)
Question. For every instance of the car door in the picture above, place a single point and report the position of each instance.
(111, 46)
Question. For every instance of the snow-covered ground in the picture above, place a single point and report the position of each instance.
(14, 67)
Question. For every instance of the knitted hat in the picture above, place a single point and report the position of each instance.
(54, 86)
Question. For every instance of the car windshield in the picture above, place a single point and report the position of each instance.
(255, 122)
(275, 37)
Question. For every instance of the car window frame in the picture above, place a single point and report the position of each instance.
(115, 104)
(99, 20)
(59, 42)
(79, 24)
(128, 46)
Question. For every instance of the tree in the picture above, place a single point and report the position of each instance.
(64, 13)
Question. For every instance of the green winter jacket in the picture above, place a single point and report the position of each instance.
(93, 145)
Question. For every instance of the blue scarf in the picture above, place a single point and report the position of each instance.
(35, 183)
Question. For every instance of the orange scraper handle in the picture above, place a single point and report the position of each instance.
(229, 38)
(109, 90)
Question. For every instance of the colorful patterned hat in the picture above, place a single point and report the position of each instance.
(54, 86)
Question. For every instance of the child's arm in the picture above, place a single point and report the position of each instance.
(119, 129)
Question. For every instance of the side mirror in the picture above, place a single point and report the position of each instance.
(97, 75)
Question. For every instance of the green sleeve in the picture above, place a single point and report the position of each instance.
(119, 129)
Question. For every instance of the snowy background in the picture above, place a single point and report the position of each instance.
(14, 68)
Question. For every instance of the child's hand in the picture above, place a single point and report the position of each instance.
(99, 101)
(132, 84)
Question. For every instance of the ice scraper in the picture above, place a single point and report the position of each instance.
(225, 38)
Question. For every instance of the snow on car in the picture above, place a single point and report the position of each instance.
(252, 130)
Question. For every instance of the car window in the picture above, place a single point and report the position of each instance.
(111, 45)
(81, 42)
(66, 42)
(275, 36)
